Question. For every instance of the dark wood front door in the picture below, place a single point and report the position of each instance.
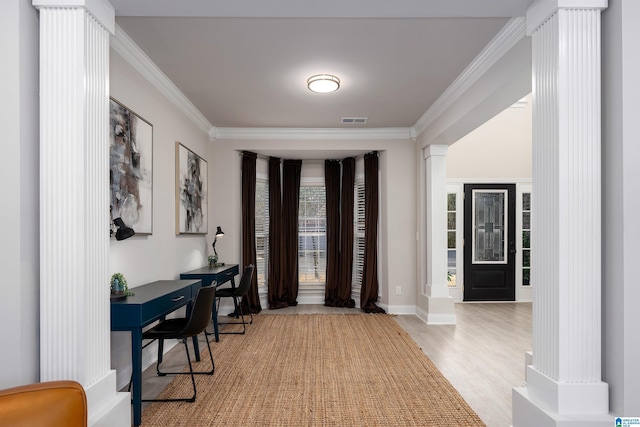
(489, 242)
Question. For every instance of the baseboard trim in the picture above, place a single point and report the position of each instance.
(106, 406)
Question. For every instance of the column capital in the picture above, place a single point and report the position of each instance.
(541, 10)
(101, 10)
(435, 150)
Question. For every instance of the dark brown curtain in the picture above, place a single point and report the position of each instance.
(339, 292)
(276, 290)
(369, 289)
(290, 206)
(332, 186)
(251, 301)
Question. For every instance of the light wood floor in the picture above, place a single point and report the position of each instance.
(482, 355)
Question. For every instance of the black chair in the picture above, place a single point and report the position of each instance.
(182, 329)
(236, 294)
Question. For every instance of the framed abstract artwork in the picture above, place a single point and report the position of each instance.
(131, 168)
(191, 192)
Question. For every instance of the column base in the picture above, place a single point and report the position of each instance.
(548, 403)
(107, 407)
(439, 311)
(527, 413)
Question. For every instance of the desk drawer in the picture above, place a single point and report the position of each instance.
(165, 304)
(227, 275)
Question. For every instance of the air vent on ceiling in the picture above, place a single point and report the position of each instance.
(354, 120)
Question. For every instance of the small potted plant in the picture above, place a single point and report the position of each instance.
(119, 286)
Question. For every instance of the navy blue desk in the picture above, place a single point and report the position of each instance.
(151, 302)
(221, 274)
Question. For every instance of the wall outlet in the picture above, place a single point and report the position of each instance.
(398, 290)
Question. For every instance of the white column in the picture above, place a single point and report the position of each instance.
(74, 203)
(440, 308)
(564, 384)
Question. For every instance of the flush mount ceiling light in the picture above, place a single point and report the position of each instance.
(323, 83)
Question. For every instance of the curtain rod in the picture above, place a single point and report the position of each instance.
(263, 157)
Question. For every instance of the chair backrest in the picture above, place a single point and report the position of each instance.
(245, 281)
(200, 312)
(53, 403)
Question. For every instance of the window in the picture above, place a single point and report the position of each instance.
(262, 231)
(358, 237)
(451, 239)
(312, 236)
(526, 239)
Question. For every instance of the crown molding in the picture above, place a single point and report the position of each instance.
(509, 35)
(219, 133)
(131, 52)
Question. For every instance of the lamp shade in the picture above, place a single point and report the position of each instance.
(219, 232)
(123, 232)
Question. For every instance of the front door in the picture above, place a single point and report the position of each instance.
(489, 242)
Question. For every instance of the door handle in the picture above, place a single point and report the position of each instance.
(512, 251)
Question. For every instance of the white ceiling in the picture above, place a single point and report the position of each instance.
(244, 64)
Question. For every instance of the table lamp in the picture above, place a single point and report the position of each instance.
(219, 233)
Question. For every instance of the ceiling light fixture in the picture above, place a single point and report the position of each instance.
(323, 83)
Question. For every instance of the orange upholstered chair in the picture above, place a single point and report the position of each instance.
(50, 404)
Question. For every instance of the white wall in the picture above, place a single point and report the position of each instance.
(162, 255)
(19, 214)
(620, 205)
(499, 149)
(397, 186)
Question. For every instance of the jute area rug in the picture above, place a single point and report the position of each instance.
(315, 370)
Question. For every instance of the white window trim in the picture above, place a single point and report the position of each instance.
(457, 189)
(312, 286)
(523, 293)
(262, 288)
(356, 287)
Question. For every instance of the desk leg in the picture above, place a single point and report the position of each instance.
(136, 366)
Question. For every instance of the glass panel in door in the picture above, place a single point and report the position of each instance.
(489, 226)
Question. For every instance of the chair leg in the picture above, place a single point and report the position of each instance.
(191, 372)
(242, 322)
(162, 374)
(159, 358)
(242, 315)
(217, 302)
(251, 315)
(213, 364)
(235, 306)
(193, 381)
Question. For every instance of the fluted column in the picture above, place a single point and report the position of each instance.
(564, 381)
(440, 307)
(74, 203)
